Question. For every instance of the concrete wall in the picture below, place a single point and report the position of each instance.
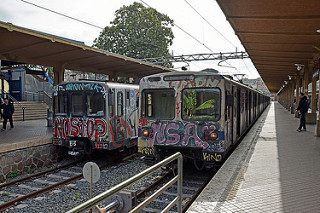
(27, 160)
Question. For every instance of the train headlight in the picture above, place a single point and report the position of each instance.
(213, 136)
(145, 133)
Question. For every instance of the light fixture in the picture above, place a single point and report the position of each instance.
(290, 77)
(299, 66)
(285, 82)
(318, 31)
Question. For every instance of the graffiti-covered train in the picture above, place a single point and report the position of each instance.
(93, 115)
(200, 114)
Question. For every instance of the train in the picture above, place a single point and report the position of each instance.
(95, 115)
(200, 114)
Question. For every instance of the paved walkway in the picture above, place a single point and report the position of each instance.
(278, 170)
(25, 134)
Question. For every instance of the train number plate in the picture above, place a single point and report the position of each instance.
(72, 143)
(73, 153)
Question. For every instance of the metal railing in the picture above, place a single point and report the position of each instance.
(177, 200)
(38, 96)
(16, 101)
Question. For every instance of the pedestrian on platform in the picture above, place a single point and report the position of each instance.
(1, 116)
(302, 109)
(8, 110)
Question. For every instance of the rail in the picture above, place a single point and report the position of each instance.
(38, 96)
(16, 101)
(177, 200)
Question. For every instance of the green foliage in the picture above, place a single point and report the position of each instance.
(190, 104)
(5, 194)
(76, 196)
(137, 32)
(13, 175)
(30, 171)
(206, 105)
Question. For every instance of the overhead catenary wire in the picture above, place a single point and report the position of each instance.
(61, 14)
(194, 38)
(211, 24)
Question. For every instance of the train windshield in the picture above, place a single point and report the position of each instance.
(95, 104)
(61, 103)
(201, 104)
(158, 104)
(77, 107)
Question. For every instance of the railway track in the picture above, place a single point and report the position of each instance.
(15, 192)
(193, 183)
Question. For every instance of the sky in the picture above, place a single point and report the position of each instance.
(101, 13)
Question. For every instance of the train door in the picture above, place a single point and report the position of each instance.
(117, 129)
(130, 114)
(234, 114)
(250, 107)
(229, 114)
(238, 111)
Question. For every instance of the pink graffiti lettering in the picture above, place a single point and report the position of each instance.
(191, 133)
(172, 126)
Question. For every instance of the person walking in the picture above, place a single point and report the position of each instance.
(1, 116)
(8, 110)
(302, 109)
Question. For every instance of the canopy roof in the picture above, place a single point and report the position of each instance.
(277, 34)
(32, 47)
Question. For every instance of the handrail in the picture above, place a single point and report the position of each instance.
(13, 98)
(178, 178)
(47, 100)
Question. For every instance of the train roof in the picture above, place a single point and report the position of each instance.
(109, 84)
(202, 73)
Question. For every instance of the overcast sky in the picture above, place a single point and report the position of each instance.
(101, 12)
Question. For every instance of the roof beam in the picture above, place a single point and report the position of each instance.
(22, 47)
(306, 17)
(277, 51)
(276, 33)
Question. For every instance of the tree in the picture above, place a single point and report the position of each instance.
(137, 32)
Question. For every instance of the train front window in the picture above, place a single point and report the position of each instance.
(201, 104)
(158, 104)
(77, 105)
(95, 104)
(61, 106)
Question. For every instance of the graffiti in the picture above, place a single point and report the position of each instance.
(143, 122)
(94, 129)
(211, 157)
(176, 133)
(197, 82)
(146, 150)
(83, 86)
(118, 128)
(101, 145)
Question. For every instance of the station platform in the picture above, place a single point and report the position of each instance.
(274, 169)
(25, 134)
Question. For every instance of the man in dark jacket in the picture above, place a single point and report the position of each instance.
(8, 111)
(302, 109)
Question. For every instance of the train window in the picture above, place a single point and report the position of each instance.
(77, 104)
(120, 104)
(61, 103)
(95, 104)
(158, 104)
(201, 104)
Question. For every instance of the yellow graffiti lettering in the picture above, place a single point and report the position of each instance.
(145, 150)
(211, 157)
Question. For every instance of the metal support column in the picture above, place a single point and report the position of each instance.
(58, 74)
